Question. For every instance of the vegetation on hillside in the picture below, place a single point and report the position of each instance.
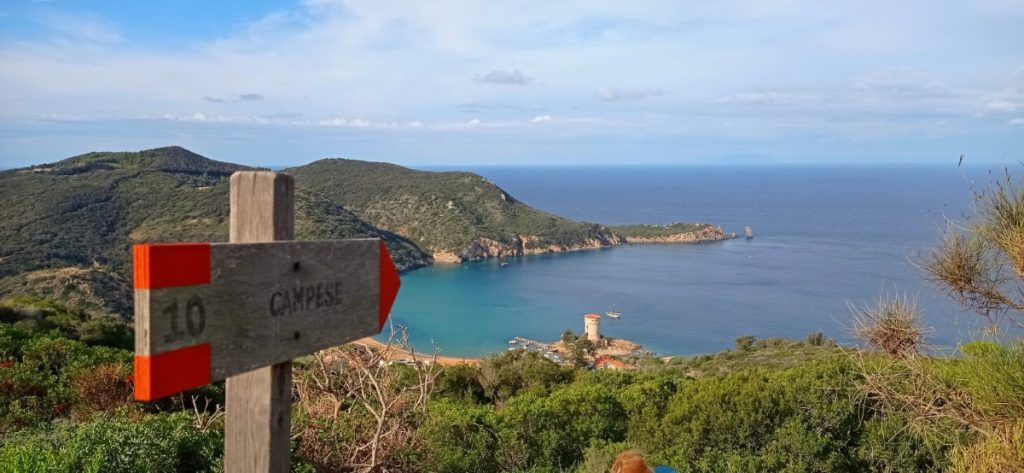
(66, 408)
(443, 211)
(66, 229)
(971, 406)
(764, 405)
(654, 231)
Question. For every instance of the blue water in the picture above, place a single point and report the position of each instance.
(825, 237)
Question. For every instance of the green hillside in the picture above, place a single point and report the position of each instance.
(66, 228)
(445, 211)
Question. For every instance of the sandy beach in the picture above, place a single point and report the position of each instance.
(404, 355)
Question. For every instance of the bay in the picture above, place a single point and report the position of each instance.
(825, 237)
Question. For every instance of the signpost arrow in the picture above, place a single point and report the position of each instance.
(242, 311)
(204, 312)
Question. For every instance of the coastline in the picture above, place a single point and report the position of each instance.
(614, 347)
(402, 355)
(527, 245)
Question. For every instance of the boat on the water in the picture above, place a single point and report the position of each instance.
(613, 313)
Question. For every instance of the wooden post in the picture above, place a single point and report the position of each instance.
(258, 411)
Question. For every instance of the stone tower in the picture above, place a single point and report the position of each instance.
(592, 327)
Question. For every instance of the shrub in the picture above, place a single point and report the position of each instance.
(461, 438)
(107, 331)
(745, 342)
(893, 326)
(502, 376)
(816, 339)
(103, 388)
(163, 443)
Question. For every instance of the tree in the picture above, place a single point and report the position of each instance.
(577, 347)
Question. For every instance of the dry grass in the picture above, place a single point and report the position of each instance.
(893, 325)
(937, 408)
(999, 453)
(982, 265)
(1001, 209)
(357, 412)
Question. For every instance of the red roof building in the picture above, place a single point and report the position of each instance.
(605, 362)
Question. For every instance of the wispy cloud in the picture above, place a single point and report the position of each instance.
(760, 98)
(1004, 106)
(737, 74)
(615, 95)
(250, 97)
(503, 77)
(1016, 121)
(78, 27)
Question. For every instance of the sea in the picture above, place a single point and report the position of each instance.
(826, 238)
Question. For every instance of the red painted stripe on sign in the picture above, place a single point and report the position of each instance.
(389, 284)
(170, 265)
(171, 372)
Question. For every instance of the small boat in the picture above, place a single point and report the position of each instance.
(503, 264)
(613, 313)
(750, 232)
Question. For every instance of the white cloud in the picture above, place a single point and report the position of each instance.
(760, 98)
(1016, 121)
(248, 97)
(354, 123)
(1004, 106)
(614, 95)
(513, 77)
(684, 72)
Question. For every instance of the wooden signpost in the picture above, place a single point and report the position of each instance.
(241, 311)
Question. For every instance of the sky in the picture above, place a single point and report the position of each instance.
(276, 83)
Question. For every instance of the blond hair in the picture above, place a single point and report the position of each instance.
(631, 461)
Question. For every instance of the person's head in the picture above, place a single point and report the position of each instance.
(631, 461)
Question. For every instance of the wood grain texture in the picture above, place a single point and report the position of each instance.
(262, 207)
(267, 303)
(257, 428)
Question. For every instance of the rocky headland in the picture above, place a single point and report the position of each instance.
(602, 237)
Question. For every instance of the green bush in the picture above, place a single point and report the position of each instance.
(553, 431)
(462, 438)
(502, 376)
(162, 443)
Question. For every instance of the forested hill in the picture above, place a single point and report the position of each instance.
(66, 228)
(454, 215)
